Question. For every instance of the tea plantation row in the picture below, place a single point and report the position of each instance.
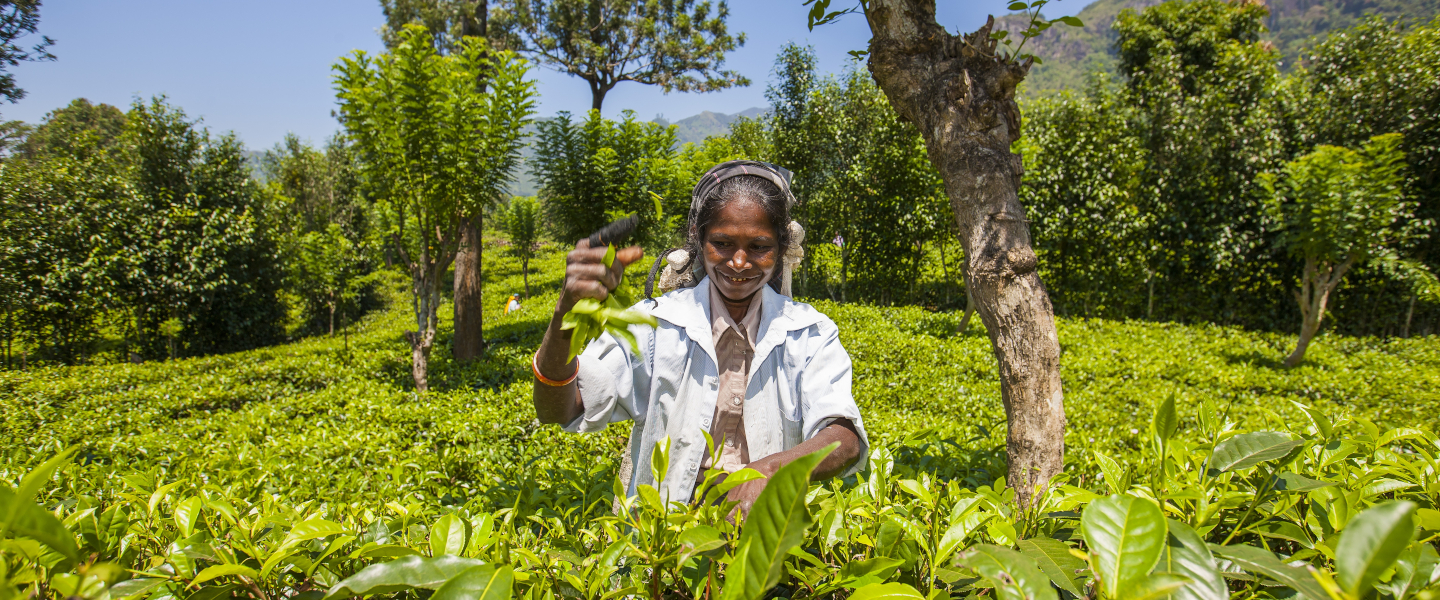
(280, 472)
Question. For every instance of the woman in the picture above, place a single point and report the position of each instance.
(766, 376)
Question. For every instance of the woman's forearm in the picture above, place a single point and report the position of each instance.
(842, 431)
(556, 404)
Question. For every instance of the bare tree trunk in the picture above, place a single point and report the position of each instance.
(962, 99)
(469, 341)
(525, 272)
(969, 311)
(597, 94)
(1150, 302)
(420, 345)
(427, 305)
(1316, 283)
(1409, 315)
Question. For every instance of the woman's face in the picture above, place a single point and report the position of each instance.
(741, 249)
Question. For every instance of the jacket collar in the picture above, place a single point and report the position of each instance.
(689, 309)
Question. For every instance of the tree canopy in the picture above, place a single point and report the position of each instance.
(19, 19)
(435, 149)
(679, 45)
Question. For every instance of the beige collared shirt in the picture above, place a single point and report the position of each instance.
(734, 347)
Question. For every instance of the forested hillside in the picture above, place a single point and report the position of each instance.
(1070, 53)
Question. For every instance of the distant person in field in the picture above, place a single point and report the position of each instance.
(513, 304)
(733, 354)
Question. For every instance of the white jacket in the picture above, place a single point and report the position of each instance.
(799, 383)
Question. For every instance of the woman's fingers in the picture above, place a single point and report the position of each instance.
(586, 275)
(594, 272)
(626, 256)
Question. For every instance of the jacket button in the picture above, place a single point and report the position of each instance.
(737, 400)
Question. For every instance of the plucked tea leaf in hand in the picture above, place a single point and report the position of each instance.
(590, 318)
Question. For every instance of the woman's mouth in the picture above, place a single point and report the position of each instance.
(738, 280)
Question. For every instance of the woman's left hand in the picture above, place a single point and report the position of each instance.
(840, 432)
(747, 493)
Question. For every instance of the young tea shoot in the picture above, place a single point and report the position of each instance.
(589, 317)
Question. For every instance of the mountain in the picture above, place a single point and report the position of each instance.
(695, 129)
(1070, 53)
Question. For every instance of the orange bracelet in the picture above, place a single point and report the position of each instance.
(535, 367)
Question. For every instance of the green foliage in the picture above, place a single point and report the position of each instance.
(61, 232)
(679, 45)
(591, 172)
(65, 131)
(197, 245)
(194, 476)
(324, 224)
(329, 268)
(126, 233)
(448, 21)
(1376, 78)
(863, 179)
(436, 149)
(1088, 208)
(1147, 198)
(1337, 209)
(1336, 205)
(521, 220)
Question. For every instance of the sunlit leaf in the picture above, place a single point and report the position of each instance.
(1371, 543)
(1126, 536)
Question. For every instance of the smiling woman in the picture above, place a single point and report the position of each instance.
(735, 377)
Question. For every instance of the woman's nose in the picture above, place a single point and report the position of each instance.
(739, 260)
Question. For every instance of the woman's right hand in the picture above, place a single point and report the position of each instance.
(586, 275)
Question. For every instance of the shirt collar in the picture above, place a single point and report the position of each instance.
(689, 309)
(720, 319)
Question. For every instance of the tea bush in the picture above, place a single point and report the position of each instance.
(1196, 469)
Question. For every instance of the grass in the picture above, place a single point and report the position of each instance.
(312, 420)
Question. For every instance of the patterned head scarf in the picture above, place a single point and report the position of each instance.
(735, 168)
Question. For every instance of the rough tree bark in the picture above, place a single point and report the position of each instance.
(1316, 283)
(961, 96)
(469, 340)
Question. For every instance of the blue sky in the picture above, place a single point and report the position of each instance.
(261, 68)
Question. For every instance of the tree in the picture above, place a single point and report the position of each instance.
(326, 267)
(522, 223)
(435, 149)
(877, 190)
(594, 171)
(318, 186)
(196, 243)
(18, 19)
(1084, 165)
(675, 44)
(449, 22)
(322, 222)
(1338, 208)
(1380, 77)
(960, 94)
(62, 221)
(1207, 100)
(62, 128)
